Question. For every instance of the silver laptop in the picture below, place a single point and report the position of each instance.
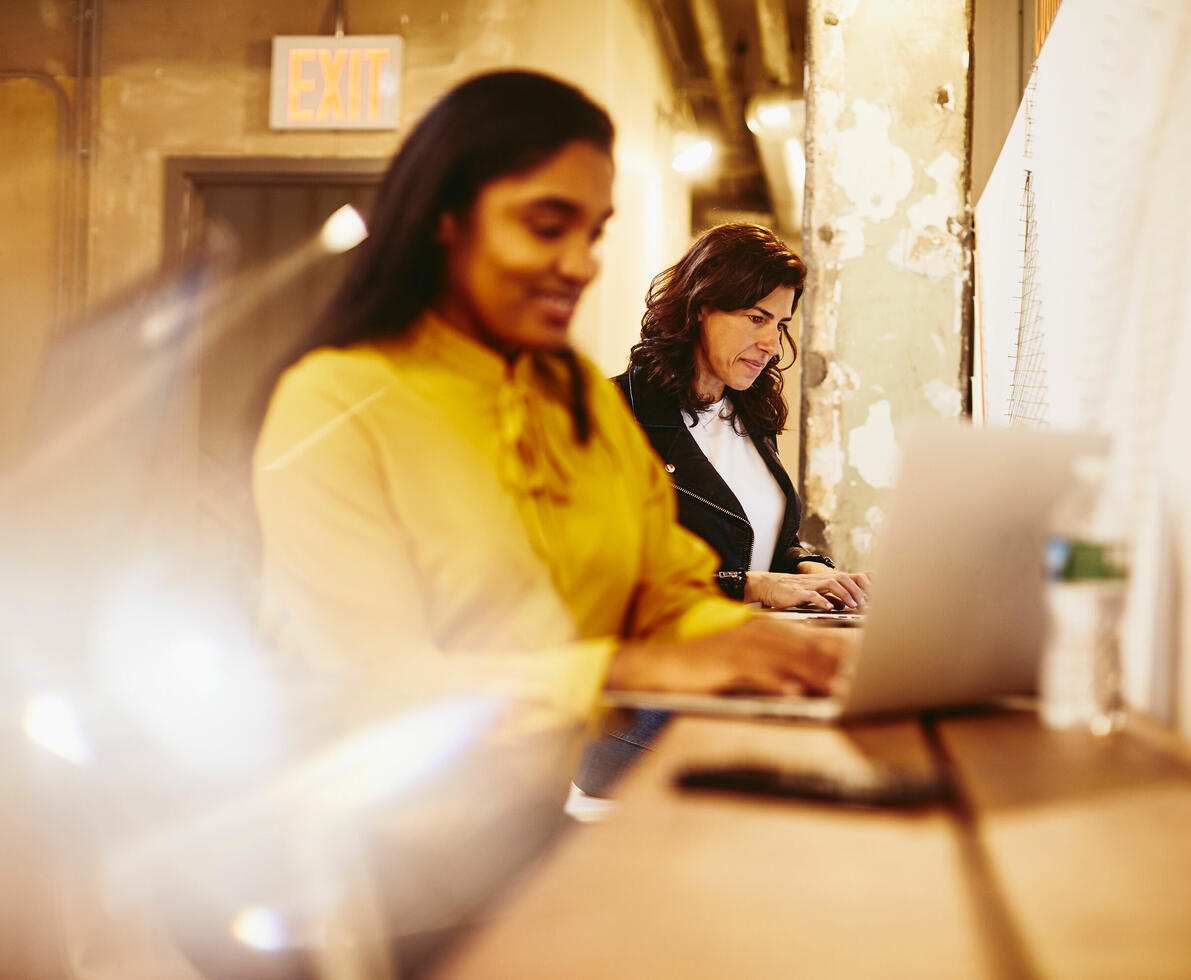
(818, 617)
(957, 612)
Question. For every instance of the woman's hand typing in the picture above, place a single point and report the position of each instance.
(764, 656)
(825, 590)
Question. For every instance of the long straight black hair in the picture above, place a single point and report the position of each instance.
(494, 125)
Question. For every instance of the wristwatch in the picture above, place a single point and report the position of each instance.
(732, 583)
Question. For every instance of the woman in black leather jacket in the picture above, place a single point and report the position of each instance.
(706, 386)
(707, 506)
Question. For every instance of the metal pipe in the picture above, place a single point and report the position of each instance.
(94, 68)
(672, 50)
(64, 136)
(340, 16)
(78, 222)
(773, 23)
(87, 48)
(715, 51)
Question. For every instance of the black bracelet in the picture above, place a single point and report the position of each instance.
(732, 583)
(822, 559)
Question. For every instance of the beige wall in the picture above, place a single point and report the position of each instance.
(889, 250)
(608, 47)
(29, 201)
(886, 307)
(190, 78)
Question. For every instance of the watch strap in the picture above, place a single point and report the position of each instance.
(822, 559)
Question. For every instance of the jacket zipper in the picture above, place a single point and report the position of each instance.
(722, 510)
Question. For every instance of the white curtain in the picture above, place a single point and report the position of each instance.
(1103, 234)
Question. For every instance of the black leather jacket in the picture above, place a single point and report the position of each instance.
(709, 508)
(706, 505)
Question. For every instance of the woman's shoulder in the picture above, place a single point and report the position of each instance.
(605, 401)
(651, 405)
(325, 386)
(336, 377)
(332, 368)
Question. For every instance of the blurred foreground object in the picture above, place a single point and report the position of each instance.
(1079, 684)
(179, 801)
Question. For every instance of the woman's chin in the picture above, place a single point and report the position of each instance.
(548, 337)
(545, 337)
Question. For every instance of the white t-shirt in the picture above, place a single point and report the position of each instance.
(739, 464)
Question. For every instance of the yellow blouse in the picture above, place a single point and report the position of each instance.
(425, 507)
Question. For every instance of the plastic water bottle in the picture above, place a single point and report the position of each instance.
(1079, 683)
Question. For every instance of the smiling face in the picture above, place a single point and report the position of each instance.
(518, 262)
(736, 346)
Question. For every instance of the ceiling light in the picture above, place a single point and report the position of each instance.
(693, 157)
(773, 116)
(777, 114)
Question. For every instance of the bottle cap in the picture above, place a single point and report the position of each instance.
(1078, 560)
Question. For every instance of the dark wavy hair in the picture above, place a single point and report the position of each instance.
(493, 125)
(731, 267)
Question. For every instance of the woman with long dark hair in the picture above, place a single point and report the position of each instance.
(445, 488)
(705, 383)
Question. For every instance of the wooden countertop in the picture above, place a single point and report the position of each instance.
(1065, 855)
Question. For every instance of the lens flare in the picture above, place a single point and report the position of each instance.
(343, 231)
(259, 927)
(51, 721)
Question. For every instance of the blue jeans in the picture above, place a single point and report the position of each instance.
(608, 755)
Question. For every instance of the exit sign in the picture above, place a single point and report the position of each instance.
(336, 82)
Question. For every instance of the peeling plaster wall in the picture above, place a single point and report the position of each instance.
(887, 313)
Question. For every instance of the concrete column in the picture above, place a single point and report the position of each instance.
(887, 317)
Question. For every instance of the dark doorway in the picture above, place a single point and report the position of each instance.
(273, 209)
